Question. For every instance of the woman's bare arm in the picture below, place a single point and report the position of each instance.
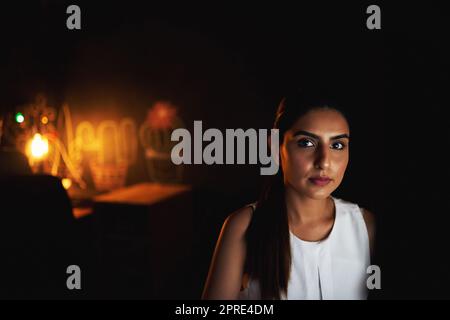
(227, 266)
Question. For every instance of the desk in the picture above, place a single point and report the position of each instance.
(142, 194)
(139, 194)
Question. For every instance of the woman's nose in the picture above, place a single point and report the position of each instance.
(322, 160)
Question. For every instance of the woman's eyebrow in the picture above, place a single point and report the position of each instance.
(340, 136)
(312, 135)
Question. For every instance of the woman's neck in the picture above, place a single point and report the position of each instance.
(304, 210)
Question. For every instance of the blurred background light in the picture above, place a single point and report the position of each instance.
(39, 146)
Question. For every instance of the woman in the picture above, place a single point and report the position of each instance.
(298, 241)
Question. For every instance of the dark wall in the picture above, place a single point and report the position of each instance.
(229, 67)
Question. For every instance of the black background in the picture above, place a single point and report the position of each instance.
(229, 65)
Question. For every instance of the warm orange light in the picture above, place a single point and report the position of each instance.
(44, 120)
(162, 115)
(39, 146)
(66, 182)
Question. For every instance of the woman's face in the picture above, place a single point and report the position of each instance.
(315, 153)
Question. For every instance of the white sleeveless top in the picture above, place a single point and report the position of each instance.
(333, 268)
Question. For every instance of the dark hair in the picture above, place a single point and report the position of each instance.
(268, 257)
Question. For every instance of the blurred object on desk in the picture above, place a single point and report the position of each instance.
(82, 200)
(155, 137)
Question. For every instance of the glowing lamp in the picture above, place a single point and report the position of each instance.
(66, 182)
(39, 146)
(19, 117)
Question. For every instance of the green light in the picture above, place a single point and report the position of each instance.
(19, 117)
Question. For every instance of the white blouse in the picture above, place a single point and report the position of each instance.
(333, 268)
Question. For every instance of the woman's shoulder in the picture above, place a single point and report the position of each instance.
(358, 212)
(352, 207)
(239, 220)
(343, 203)
(361, 212)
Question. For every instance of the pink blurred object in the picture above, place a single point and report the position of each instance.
(162, 115)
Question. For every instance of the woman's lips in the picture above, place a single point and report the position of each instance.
(322, 181)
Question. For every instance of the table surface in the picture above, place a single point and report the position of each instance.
(138, 194)
(142, 193)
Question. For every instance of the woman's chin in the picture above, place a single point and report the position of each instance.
(314, 192)
(318, 193)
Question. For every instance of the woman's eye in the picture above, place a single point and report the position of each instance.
(304, 143)
(338, 145)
